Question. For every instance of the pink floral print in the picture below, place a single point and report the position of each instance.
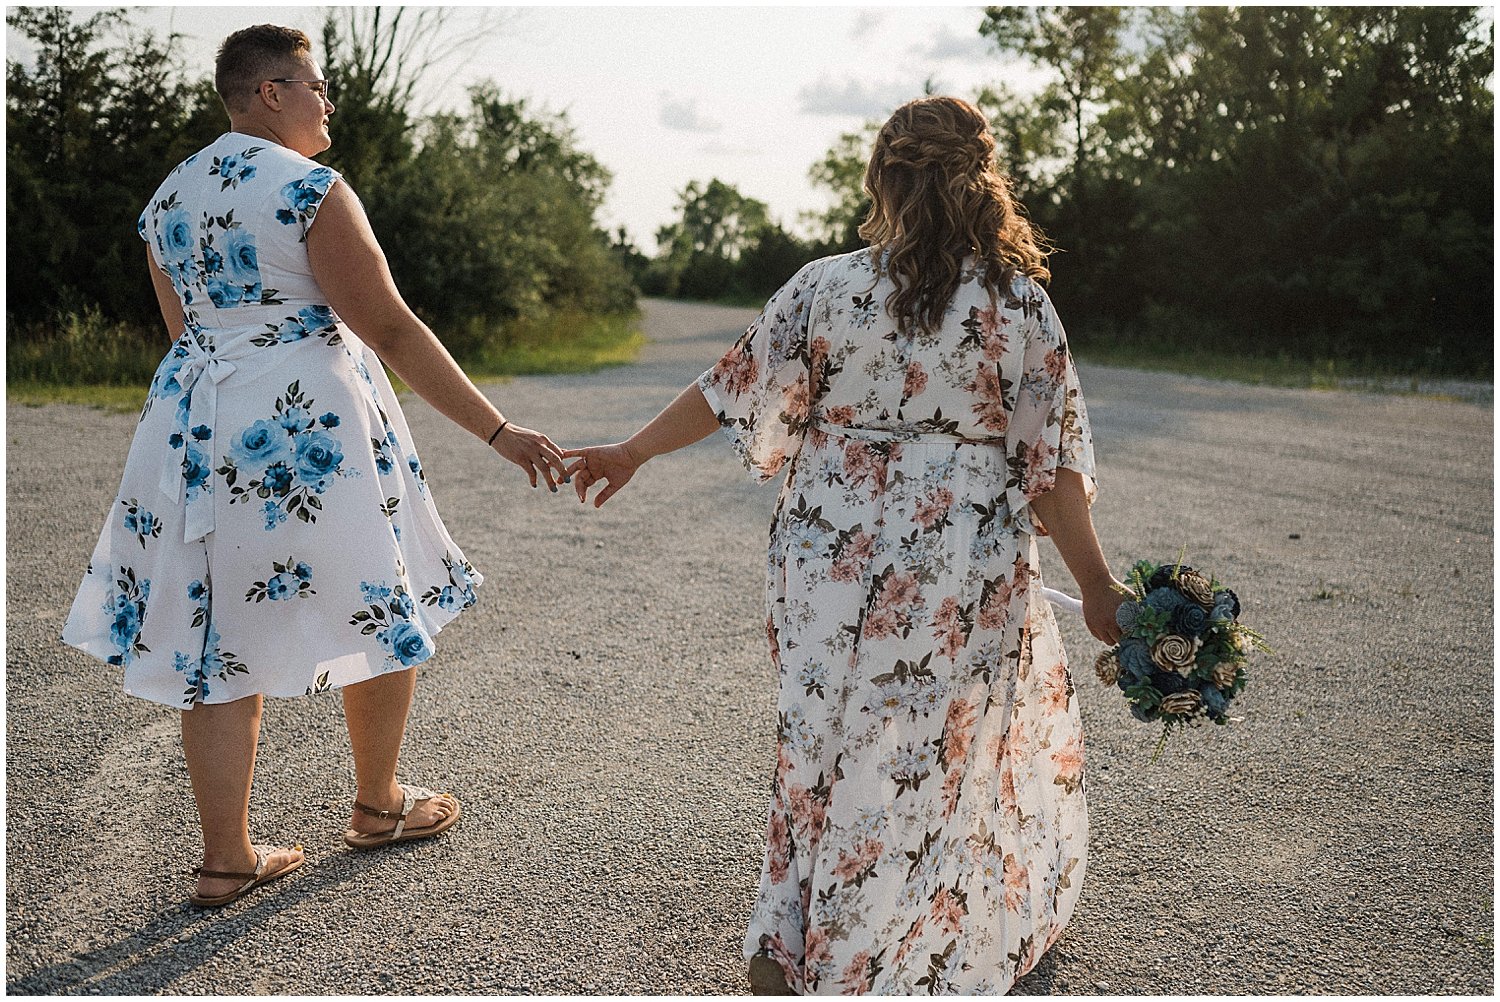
(927, 825)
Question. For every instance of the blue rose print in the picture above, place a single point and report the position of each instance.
(196, 466)
(318, 455)
(388, 614)
(177, 233)
(305, 461)
(241, 264)
(261, 444)
(278, 478)
(407, 643)
(126, 608)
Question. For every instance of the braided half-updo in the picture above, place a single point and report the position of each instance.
(936, 197)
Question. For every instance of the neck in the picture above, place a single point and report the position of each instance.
(259, 130)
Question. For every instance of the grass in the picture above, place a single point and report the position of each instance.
(83, 360)
(1257, 370)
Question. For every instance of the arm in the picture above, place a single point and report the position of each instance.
(351, 269)
(166, 298)
(1065, 510)
(686, 420)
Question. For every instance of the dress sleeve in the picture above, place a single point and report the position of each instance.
(297, 204)
(761, 389)
(1049, 428)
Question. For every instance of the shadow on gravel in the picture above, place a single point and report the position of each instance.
(181, 938)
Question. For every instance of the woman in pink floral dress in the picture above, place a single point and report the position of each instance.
(927, 828)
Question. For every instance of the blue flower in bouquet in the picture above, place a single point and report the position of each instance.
(1226, 605)
(1164, 574)
(1127, 614)
(1135, 658)
(1168, 682)
(1166, 600)
(1213, 699)
(1189, 619)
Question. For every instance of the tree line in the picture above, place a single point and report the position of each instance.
(1312, 182)
(487, 215)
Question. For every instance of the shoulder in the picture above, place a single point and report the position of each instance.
(835, 266)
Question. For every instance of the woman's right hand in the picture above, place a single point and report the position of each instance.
(613, 464)
(533, 452)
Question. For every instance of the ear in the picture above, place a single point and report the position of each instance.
(268, 96)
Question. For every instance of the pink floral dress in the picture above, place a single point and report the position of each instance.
(927, 828)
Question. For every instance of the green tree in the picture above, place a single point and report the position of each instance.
(93, 122)
(842, 172)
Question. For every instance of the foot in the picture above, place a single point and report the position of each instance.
(235, 862)
(424, 813)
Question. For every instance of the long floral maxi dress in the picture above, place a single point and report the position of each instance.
(927, 828)
(273, 532)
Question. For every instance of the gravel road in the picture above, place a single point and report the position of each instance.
(606, 714)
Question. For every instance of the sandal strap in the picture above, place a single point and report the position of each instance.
(262, 855)
(409, 797)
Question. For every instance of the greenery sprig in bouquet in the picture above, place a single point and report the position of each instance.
(1181, 657)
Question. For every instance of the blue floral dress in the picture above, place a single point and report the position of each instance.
(273, 532)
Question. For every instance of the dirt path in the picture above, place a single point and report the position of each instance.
(606, 713)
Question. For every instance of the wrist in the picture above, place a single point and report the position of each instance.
(638, 453)
(495, 435)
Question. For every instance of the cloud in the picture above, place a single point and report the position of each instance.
(683, 117)
(855, 98)
(718, 148)
(949, 44)
(867, 22)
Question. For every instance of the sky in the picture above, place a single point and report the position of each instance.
(667, 95)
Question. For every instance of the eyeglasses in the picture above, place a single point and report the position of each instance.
(322, 88)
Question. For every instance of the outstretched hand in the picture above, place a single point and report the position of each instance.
(613, 465)
(534, 453)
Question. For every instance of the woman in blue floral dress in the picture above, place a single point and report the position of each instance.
(927, 830)
(274, 533)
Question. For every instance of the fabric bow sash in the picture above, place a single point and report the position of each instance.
(193, 475)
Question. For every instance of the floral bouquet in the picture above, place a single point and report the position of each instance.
(1182, 654)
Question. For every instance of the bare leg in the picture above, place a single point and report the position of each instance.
(376, 713)
(218, 741)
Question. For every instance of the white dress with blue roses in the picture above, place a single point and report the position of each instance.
(273, 531)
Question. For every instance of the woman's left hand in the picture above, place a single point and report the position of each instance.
(1100, 603)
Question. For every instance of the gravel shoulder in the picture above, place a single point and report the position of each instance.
(606, 713)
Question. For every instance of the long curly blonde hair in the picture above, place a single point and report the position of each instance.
(936, 197)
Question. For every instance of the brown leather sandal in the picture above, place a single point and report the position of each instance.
(410, 796)
(252, 880)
